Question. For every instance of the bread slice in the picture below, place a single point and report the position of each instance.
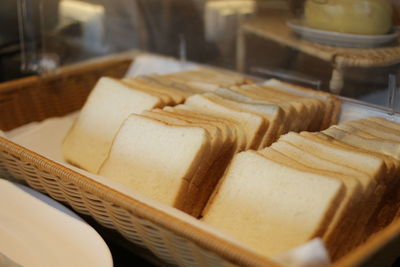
(289, 111)
(235, 130)
(207, 79)
(252, 124)
(267, 112)
(374, 130)
(315, 108)
(215, 133)
(152, 80)
(227, 134)
(351, 135)
(300, 121)
(380, 215)
(388, 151)
(353, 223)
(347, 210)
(332, 103)
(158, 160)
(351, 158)
(222, 157)
(369, 163)
(271, 113)
(271, 207)
(212, 166)
(385, 123)
(166, 81)
(276, 119)
(165, 97)
(88, 142)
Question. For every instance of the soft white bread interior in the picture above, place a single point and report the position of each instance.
(253, 125)
(332, 103)
(348, 218)
(208, 79)
(272, 207)
(157, 159)
(88, 142)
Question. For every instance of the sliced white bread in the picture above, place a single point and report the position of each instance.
(166, 81)
(314, 107)
(271, 207)
(211, 167)
(276, 119)
(300, 121)
(221, 158)
(207, 79)
(266, 111)
(385, 123)
(366, 163)
(88, 142)
(159, 160)
(351, 157)
(252, 124)
(374, 129)
(380, 216)
(152, 82)
(386, 149)
(347, 211)
(355, 222)
(332, 103)
(288, 109)
(166, 98)
(236, 130)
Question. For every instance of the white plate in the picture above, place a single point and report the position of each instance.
(340, 39)
(38, 231)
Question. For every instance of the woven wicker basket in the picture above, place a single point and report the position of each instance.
(173, 240)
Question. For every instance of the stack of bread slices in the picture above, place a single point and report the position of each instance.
(340, 184)
(171, 137)
(111, 101)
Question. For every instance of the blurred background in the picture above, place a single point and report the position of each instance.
(37, 36)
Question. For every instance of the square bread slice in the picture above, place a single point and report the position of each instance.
(302, 119)
(276, 118)
(388, 150)
(206, 176)
(267, 112)
(165, 98)
(350, 157)
(384, 122)
(315, 108)
(369, 163)
(271, 207)
(332, 103)
(227, 133)
(235, 130)
(352, 135)
(252, 124)
(158, 159)
(219, 161)
(347, 211)
(374, 129)
(166, 81)
(207, 79)
(290, 112)
(360, 217)
(176, 96)
(88, 142)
